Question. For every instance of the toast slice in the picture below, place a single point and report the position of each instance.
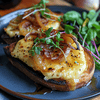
(54, 84)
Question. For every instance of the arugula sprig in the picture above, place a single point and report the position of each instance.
(35, 49)
(41, 7)
(73, 16)
(41, 4)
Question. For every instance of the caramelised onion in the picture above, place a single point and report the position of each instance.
(51, 53)
(38, 19)
(30, 17)
(56, 53)
(68, 45)
(76, 42)
(15, 22)
(69, 39)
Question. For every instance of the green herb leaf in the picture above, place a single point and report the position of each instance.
(43, 2)
(42, 13)
(42, 40)
(91, 48)
(91, 34)
(84, 14)
(79, 21)
(59, 18)
(71, 16)
(98, 35)
(57, 43)
(58, 37)
(91, 14)
(37, 50)
(47, 16)
(36, 40)
(84, 29)
(74, 23)
(48, 31)
(97, 26)
(33, 53)
(49, 41)
(75, 34)
(96, 15)
(90, 23)
(69, 29)
(47, 10)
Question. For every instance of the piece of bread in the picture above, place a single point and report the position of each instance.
(54, 84)
(19, 27)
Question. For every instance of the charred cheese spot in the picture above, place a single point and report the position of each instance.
(21, 51)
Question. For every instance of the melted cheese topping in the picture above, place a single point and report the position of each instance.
(54, 24)
(25, 26)
(11, 31)
(12, 28)
(51, 69)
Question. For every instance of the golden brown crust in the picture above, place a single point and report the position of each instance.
(86, 77)
(54, 85)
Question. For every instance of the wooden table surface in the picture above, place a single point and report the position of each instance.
(28, 3)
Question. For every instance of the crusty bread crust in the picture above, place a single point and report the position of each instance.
(9, 40)
(87, 75)
(60, 85)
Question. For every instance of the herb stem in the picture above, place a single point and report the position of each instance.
(80, 27)
(93, 54)
(84, 39)
(51, 14)
(36, 10)
(56, 45)
(29, 9)
(62, 52)
(35, 44)
(93, 42)
(54, 35)
(97, 61)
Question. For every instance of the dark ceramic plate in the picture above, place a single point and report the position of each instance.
(16, 84)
